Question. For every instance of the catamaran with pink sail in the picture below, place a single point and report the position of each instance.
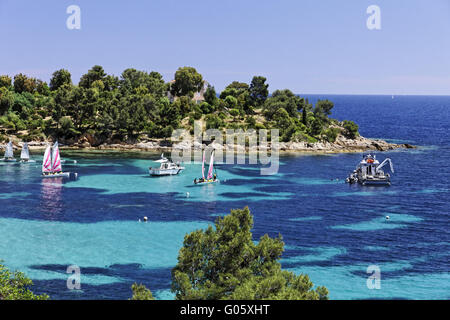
(51, 164)
(212, 175)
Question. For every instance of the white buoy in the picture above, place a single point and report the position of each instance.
(387, 217)
(145, 219)
(187, 194)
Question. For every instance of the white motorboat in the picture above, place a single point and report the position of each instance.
(25, 154)
(9, 153)
(51, 164)
(369, 172)
(166, 168)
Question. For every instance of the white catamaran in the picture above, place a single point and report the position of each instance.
(212, 176)
(51, 164)
(25, 154)
(9, 153)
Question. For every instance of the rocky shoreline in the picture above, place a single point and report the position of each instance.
(341, 145)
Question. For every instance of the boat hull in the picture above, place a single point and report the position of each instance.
(375, 182)
(206, 182)
(9, 160)
(72, 175)
(156, 172)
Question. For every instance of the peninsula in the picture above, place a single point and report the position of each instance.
(139, 111)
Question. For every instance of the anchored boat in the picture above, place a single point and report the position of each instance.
(25, 154)
(9, 153)
(369, 172)
(166, 168)
(51, 165)
(212, 175)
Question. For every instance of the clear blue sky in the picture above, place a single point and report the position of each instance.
(309, 46)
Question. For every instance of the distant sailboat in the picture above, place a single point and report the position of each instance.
(51, 164)
(211, 177)
(25, 154)
(9, 153)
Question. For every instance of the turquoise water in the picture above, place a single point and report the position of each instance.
(332, 231)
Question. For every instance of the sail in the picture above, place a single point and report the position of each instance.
(203, 165)
(47, 161)
(25, 154)
(211, 166)
(56, 165)
(9, 151)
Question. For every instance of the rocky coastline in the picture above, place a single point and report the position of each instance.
(341, 145)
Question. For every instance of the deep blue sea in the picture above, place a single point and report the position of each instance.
(333, 231)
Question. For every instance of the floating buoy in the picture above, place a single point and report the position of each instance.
(187, 194)
(387, 217)
(145, 219)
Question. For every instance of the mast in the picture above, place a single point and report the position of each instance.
(211, 166)
(203, 165)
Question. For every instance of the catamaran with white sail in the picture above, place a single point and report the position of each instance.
(51, 164)
(25, 154)
(212, 175)
(9, 153)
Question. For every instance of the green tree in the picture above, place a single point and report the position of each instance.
(6, 100)
(351, 129)
(140, 292)
(23, 83)
(211, 96)
(224, 263)
(59, 78)
(187, 82)
(94, 74)
(259, 90)
(15, 286)
(5, 81)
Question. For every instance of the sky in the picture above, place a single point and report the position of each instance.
(308, 46)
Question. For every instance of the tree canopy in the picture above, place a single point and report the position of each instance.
(15, 286)
(141, 105)
(225, 263)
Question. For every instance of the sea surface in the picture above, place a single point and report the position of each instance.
(333, 231)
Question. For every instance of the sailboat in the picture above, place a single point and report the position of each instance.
(25, 154)
(51, 164)
(9, 154)
(212, 176)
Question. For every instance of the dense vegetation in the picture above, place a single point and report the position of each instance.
(224, 263)
(15, 286)
(105, 108)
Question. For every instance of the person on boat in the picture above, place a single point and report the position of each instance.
(195, 181)
(215, 177)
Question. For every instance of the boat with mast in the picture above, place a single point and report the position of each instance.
(369, 172)
(51, 164)
(212, 175)
(9, 153)
(25, 154)
(166, 168)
